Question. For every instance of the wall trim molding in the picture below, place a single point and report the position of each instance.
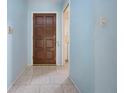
(74, 84)
(66, 6)
(17, 78)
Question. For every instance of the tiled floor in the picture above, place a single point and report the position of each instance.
(44, 79)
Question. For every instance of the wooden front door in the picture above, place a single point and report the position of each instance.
(44, 38)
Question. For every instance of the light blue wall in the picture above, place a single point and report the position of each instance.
(93, 48)
(45, 6)
(106, 47)
(17, 42)
(81, 50)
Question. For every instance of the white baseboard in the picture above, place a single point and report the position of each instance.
(75, 85)
(16, 78)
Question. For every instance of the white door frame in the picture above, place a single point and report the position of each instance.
(57, 52)
(66, 6)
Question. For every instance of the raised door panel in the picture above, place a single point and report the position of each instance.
(44, 39)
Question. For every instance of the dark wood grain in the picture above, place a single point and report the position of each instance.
(44, 38)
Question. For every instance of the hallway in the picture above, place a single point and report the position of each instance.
(44, 79)
(37, 34)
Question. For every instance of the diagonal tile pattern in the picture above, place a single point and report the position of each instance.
(44, 79)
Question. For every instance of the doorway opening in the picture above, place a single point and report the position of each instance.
(66, 36)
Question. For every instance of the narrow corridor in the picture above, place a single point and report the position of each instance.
(44, 79)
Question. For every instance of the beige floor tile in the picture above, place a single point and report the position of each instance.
(32, 89)
(44, 79)
(20, 88)
(69, 89)
(51, 89)
(40, 80)
(58, 79)
(24, 80)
